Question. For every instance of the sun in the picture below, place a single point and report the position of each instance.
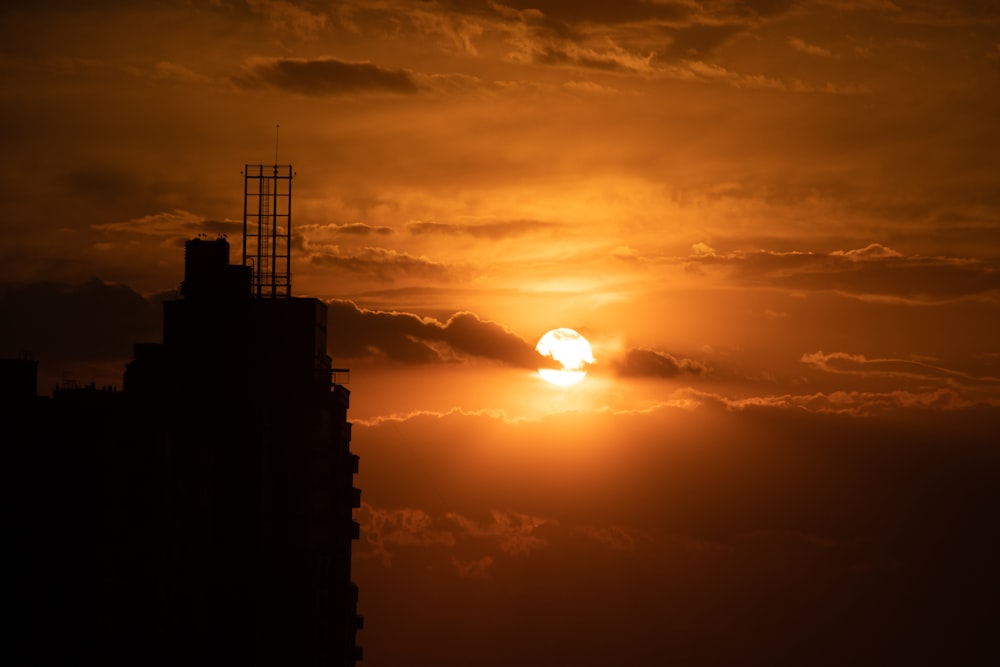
(571, 350)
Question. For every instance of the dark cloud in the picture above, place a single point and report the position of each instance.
(403, 337)
(571, 12)
(870, 272)
(361, 229)
(101, 182)
(639, 362)
(491, 230)
(178, 223)
(468, 334)
(355, 332)
(803, 538)
(619, 36)
(326, 76)
(25, 6)
(92, 321)
(698, 40)
(383, 264)
(565, 17)
(761, 8)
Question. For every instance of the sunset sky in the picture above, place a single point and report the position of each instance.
(777, 223)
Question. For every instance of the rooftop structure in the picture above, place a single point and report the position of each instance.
(267, 227)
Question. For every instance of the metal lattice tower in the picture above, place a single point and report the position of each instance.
(267, 228)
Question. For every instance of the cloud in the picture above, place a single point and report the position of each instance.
(870, 251)
(171, 223)
(384, 528)
(473, 568)
(489, 230)
(468, 334)
(710, 72)
(380, 264)
(624, 253)
(862, 5)
(699, 40)
(319, 233)
(598, 13)
(61, 322)
(638, 362)
(384, 531)
(914, 369)
(514, 532)
(609, 58)
(854, 403)
(405, 338)
(66, 5)
(787, 537)
(589, 88)
(617, 538)
(356, 332)
(102, 182)
(394, 418)
(574, 16)
(703, 250)
(874, 271)
(781, 502)
(169, 71)
(625, 38)
(453, 83)
(303, 23)
(603, 475)
(325, 76)
(810, 49)
(460, 30)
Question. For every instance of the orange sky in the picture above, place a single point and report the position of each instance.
(778, 223)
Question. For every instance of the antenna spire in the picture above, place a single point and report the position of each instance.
(276, 129)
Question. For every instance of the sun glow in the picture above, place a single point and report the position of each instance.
(571, 350)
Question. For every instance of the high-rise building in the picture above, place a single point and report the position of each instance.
(213, 506)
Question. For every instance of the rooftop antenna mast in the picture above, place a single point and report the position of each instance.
(267, 226)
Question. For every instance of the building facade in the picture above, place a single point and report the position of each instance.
(203, 514)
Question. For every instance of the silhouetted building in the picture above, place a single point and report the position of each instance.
(202, 515)
(18, 380)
